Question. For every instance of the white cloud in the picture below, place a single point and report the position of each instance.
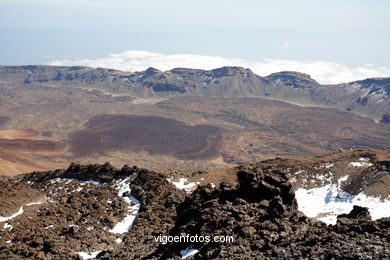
(322, 71)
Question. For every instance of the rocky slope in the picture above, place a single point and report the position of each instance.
(88, 211)
(368, 97)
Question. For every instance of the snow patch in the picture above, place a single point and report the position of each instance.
(342, 179)
(68, 180)
(321, 177)
(20, 211)
(88, 255)
(360, 164)
(189, 251)
(8, 226)
(89, 182)
(34, 203)
(134, 206)
(329, 165)
(327, 202)
(182, 186)
(118, 240)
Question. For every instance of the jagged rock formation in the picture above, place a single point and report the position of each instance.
(260, 213)
(368, 177)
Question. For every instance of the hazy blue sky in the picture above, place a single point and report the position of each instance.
(349, 32)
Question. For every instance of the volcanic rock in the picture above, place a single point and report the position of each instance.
(258, 216)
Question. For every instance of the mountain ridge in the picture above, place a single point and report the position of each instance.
(221, 71)
(369, 97)
(176, 70)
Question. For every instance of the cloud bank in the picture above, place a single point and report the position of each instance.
(323, 72)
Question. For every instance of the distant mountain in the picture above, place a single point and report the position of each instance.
(369, 97)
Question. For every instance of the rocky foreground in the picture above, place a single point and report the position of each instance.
(74, 214)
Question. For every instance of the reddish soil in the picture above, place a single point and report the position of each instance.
(18, 134)
(47, 134)
(31, 145)
(20, 152)
(156, 135)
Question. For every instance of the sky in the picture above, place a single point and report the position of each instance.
(334, 40)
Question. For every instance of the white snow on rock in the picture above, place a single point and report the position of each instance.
(68, 180)
(20, 211)
(342, 179)
(89, 182)
(34, 203)
(88, 255)
(329, 165)
(57, 180)
(181, 184)
(134, 206)
(327, 202)
(8, 226)
(360, 164)
(321, 177)
(189, 251)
